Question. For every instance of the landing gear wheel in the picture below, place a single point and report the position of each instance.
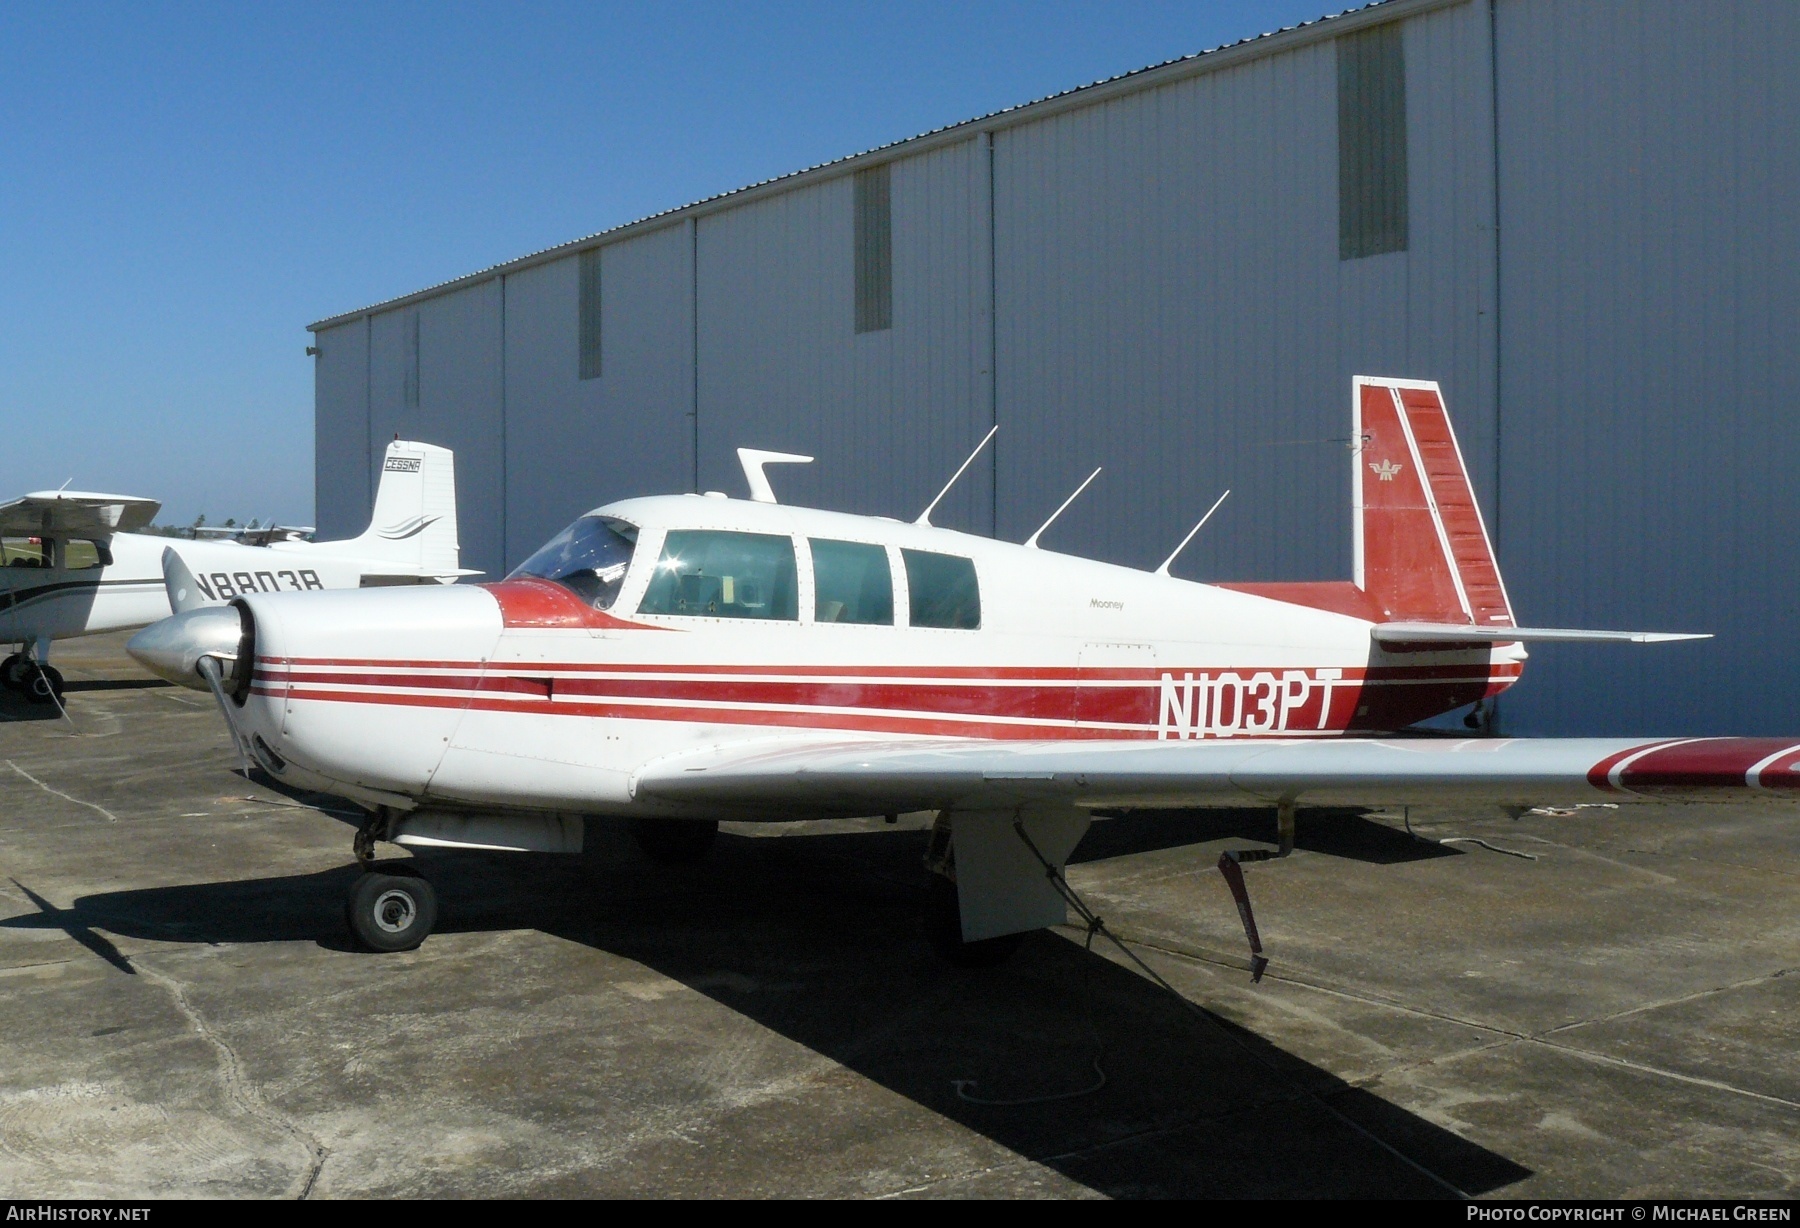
(676, 842)
(943, 926)
(43, 684)
(390, 911)
(12, 672)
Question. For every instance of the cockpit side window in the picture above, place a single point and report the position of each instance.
(718, 574)
(589, 558)
(851, 583)
(81, 554)
(25, 552)
(943, 589)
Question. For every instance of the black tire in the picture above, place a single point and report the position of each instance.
(675, 842)
(12, 672)
(391, 912)
(43, 684)
(943, 926)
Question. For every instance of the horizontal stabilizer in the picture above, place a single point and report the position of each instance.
(1463, 633)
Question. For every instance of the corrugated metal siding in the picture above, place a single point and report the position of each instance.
(573, 444)
(889, 414)
(1172, 305)
(459, 403)
(1650, 199)
(341, 431)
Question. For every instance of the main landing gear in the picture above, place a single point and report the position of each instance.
(41, 684)
(391, 906)
(943, 911)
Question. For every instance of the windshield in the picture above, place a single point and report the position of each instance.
(589, 558)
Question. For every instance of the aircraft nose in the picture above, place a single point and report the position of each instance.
(171, 649)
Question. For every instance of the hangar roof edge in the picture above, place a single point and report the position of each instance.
(1224, 56)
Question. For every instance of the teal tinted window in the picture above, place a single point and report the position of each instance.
(942, 589)
(851, 583)
(724, 575)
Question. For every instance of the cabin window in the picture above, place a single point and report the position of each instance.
(852, 584)
(80, 554)
(943, 590)
(24, 552)
(589, 558)
(724, 575)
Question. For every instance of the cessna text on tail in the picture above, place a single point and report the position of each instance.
(683, 659)
(74, 567)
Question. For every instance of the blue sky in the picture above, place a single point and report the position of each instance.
(183, 188)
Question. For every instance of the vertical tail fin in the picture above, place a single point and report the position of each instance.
(1422, 550)
(413, 526)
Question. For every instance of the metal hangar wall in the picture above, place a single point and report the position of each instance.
(1581, 218)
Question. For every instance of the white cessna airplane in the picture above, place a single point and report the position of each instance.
(682, 659)
(72, 565)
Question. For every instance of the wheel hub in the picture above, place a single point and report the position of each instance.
(395, 910)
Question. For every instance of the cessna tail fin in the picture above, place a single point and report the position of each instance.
(413, 525)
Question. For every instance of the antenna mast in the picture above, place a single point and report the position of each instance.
(925, 516)
(1164, 569)
(1031, 542)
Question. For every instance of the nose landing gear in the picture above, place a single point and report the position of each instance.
(41, 684)
(391, 907)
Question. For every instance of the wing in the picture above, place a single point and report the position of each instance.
(859, 778)
(75, 511)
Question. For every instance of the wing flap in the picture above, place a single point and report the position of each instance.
(859, 778)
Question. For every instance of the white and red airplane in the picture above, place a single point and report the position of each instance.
(682, 659)
(73, 566)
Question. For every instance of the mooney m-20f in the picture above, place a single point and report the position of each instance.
(683, 659)
(73, 566)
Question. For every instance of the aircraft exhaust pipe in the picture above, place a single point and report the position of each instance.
(173, 648)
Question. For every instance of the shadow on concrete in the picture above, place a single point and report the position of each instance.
(1333, 831)
(819, 939)
(15, 707)
(326, 804)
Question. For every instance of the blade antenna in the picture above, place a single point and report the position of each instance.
(753, 460)
(925, 516)
(1031, 542)
(1164, 569)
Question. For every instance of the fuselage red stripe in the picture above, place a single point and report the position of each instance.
(1026, 673)
(935, 724)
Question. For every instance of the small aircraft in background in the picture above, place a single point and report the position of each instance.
(72, 564)
(251, 534)
(682, 659)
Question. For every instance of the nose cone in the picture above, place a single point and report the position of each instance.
(172, 648)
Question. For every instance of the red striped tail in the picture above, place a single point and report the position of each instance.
(1422, 551)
